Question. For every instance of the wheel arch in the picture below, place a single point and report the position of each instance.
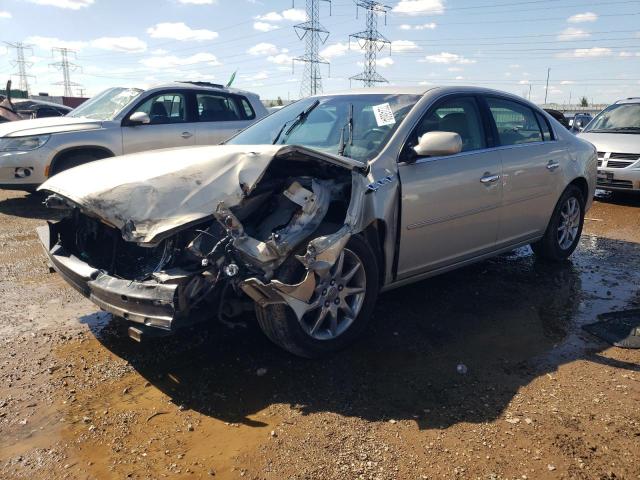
(375, 234)
(91, 149)
(583, 185)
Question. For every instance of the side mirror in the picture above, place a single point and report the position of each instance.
(437, 144)
(139, 118)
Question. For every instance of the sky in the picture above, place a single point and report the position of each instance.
(592, 47)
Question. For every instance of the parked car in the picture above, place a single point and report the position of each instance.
(616, 134)
(120, 121)
(28, 109)
(314, 210)
(579, 121)
(559, 116)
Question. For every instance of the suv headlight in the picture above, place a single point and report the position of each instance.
(23, 144)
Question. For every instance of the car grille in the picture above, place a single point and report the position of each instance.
(617, 160)
(615, 183)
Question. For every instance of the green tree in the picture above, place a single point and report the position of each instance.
(279, 101)
(584, 102)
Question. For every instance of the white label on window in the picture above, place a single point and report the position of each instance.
(384, 114)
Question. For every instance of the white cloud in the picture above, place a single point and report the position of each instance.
(198, 2)
(335, 50)
(294, 15)
(159, 51)
(4, 14)
(263, 49)
(424, 26)
(69, 4)
(120, 44)
(403, 46)
(269, 17)
(567, 82)
(572, 33)
(280, 59)
(262, 75)
(384, 62)
(419, 7)
(47, 43)
(459, 77)
(515, 66)
(180, 31)
(524, 82)
(171, 61)
(629, 54)
(586, 53)
(583, 17)
(455, 69)
(446, 57)
(264, 27)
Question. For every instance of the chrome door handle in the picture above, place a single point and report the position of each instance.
(551, 166)
(186, 135)
(489, 178)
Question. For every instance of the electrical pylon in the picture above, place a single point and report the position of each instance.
(371, 41)
(22, 64)
(66, 67)
(314, 35)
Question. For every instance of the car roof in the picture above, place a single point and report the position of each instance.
(431, 89)
(203, 86)
(629, 100)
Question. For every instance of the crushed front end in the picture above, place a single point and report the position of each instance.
(300, 207)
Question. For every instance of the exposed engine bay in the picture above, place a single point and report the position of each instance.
(301, 209)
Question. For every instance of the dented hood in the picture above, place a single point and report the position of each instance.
(149, 194)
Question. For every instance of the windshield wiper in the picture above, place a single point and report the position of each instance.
(349, 124)
(614, 130)
(296, 121)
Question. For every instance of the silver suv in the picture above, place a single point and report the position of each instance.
(120, 121)
(616, 134)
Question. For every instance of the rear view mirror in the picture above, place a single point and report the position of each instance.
(437, 144)
(139, 118)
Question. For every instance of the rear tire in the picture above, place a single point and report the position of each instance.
(282, 327)
(75, 159)
(565, 227)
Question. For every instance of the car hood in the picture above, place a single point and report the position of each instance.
(613, 142)
(147, 195)
(45, 126)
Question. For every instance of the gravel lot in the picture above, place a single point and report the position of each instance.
(483, 373)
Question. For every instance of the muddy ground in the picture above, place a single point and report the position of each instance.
(536, 397)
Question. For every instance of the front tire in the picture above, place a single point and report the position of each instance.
(344, 304)
(565, 227)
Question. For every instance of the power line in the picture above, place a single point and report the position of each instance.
(66, 67)
(371, 41)
(314, 35)
(22, 64)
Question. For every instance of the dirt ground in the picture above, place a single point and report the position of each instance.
(483, 373)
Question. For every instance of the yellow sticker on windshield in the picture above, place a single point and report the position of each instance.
(384, 114)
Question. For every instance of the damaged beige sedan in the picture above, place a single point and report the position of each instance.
(308, 214)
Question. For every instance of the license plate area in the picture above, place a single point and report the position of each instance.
(605, 176)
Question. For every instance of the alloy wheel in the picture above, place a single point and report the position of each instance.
(338, 299)
(569, 223)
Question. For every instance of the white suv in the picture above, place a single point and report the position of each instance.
(120, 121)
(616, 134)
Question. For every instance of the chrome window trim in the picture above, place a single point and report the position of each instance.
(480, 150)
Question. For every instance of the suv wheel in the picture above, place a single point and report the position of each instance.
(565, 227)
(343, 303)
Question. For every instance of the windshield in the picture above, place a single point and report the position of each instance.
(106, 105)
(620, 118)
(356, 126)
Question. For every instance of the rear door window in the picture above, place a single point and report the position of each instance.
(516, 123)
(213, 107)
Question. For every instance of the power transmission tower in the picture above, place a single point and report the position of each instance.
(22, 64)
(66, 67)
(371, 41)
(314, 35)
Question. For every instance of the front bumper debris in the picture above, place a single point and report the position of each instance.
(148, 303)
